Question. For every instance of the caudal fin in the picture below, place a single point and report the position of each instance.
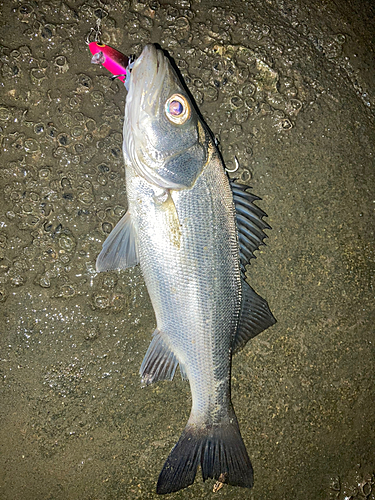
(218, 449)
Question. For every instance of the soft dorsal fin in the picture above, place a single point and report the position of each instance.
(255, 316)
(250, 223)
(120, 249)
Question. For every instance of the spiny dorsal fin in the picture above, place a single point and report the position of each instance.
(255, 316)
(120, 249)
(250, 223)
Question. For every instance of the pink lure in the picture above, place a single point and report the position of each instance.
(113, 60)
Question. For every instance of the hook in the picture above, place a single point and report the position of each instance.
(235, 168)
(97, 31)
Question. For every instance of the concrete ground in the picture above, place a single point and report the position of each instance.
(287, 87)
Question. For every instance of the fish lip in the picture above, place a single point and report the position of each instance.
(147, 77)
(143, 98)
(148, 52)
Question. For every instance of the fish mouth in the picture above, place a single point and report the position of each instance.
(146, 79)
(141, 112)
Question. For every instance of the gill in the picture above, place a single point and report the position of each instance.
(165, 200)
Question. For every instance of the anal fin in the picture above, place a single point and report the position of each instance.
(183, 372)
(160, 362)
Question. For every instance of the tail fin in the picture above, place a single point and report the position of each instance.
(218, 449)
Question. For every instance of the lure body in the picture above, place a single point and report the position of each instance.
(113, 60)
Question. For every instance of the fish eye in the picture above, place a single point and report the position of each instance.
(177, 109)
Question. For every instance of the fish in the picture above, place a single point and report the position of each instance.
(192, 231)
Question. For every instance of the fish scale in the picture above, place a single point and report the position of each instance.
(194, 311)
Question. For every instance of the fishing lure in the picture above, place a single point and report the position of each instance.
(114, 61)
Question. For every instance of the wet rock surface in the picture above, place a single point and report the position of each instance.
(287, 89)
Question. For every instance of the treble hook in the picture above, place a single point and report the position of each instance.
(97, 31)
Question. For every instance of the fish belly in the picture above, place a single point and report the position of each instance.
(193, 277)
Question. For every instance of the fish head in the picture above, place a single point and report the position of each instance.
(164, 139)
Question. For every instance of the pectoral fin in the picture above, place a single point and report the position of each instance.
(120, 249)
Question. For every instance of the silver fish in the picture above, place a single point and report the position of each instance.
(193, 233)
